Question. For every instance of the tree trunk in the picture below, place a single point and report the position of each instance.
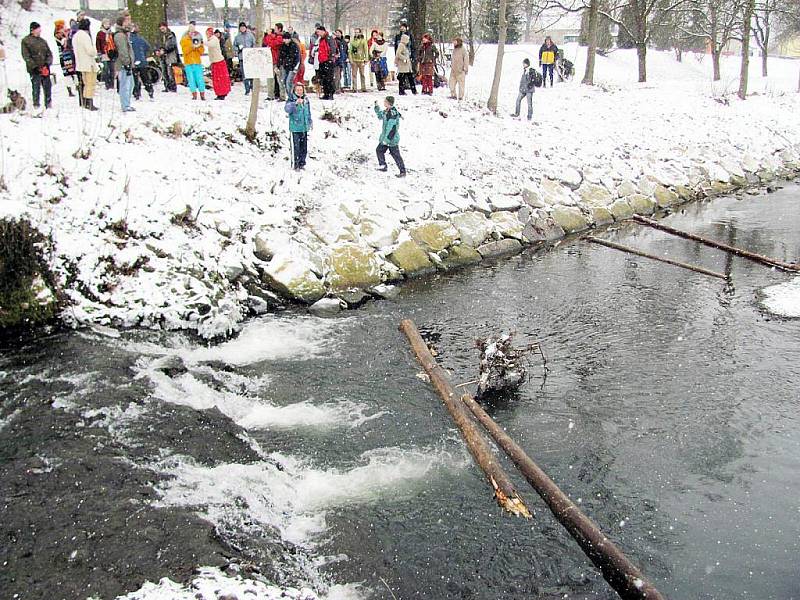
(417, 12)
(252, 117)
(679, 55)
(147, 15)
(764, 60)
(715, 63)
(747, 22)
(498, 63)
(471, 33)
(591, 51)
(641, 54)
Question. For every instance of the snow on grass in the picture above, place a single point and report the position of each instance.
(783, 299)
(155, 213)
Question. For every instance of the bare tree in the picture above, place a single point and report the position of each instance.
(747, 24)
(645, 17)
(762, 29)
(591, 50)
(718, 22)
(252, 117)
(498, 63)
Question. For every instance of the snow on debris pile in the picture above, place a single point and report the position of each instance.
(783, 299)
(168, 217)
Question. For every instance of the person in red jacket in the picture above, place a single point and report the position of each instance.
(327, 54)
(274, 40)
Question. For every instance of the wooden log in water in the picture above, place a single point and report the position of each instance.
(620, 573)
(668, 261)
(759, 258)
(504, 491)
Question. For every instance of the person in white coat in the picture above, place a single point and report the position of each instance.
(85, 63)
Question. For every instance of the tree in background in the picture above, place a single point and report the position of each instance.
(764, 21)
(602, 26)
(717, 22)
(747, 26)
(498, 63)
(492, 20)
(147, 14)
(417, 18)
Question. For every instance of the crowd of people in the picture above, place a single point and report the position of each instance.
(124, 60)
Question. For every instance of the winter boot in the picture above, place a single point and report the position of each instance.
(90, 104)
(71, 93)
(401, 174)
(203, 96)
(383, 168)
(194, 95)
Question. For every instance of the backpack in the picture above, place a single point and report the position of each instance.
(111, 47)
(535, 79)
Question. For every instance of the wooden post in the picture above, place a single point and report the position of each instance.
(504, 491)
(719, 245)
(620, 573)
(668, 261)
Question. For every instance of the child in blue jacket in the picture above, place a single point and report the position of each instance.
(299, 111)
(390, 136)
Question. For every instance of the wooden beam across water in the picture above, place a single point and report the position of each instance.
(669, 261)
(759, 258)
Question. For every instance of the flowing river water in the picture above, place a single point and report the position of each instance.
(311, 451)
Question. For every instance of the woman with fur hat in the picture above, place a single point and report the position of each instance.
(428, 55)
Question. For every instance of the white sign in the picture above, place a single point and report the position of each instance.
(258, 63)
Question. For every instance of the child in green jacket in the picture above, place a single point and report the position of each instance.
(299, 111)
(390, 136)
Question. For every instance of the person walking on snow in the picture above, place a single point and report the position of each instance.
(220, 78)
(167, 52)
(38, 58)
(459, 67)
(390, 135)
(359, 56)
(102, 42)
(140, 51)
(123, 65)
(85, 63)
(66, 55)
(527, 86)
(547, 59)
(326, 55)
(288, 64)
(192, 48)
(428, 55)
(244, 39)
(402, 60)
(298, 108)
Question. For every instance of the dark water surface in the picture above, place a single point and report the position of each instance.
(670, 412)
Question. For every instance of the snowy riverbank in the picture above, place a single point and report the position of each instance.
(168, 217)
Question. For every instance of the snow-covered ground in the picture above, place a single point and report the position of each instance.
(169, 217)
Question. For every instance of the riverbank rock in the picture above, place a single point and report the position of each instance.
(435, 236)
(641, 204)
(460, 256)
(293, 278)
(593, 194)
(665, 197)
(508, 225)
(500, 248)
(411, 259)
(570, 219)
(353, 266)
(473, 227)
(621, 210)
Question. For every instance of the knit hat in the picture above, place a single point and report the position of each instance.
(163, 24)
(390, 100)
(35, 26)
(287, 35)
(242, 24)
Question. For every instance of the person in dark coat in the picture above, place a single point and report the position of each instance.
(548, 54)
(167, 52)
(288, 64)
(38, 58)
(410, 45)
(527, 86)
(140, 51)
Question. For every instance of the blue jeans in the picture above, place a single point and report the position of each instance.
(125, 80)
(529, 96)
(545, 69)
(248, 83)
(348, 74)
(287, 83)
(299, 149)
